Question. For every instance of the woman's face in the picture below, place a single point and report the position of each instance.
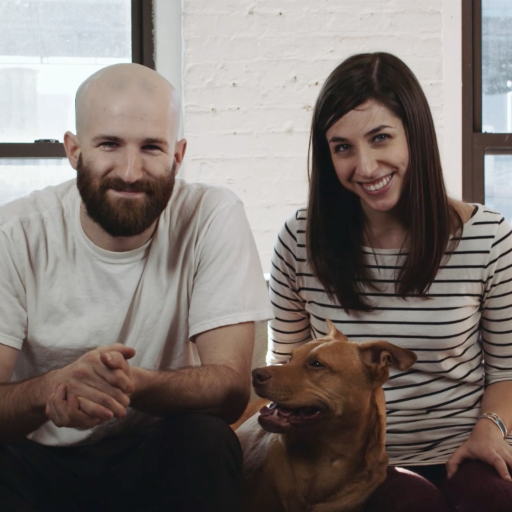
(370, 155)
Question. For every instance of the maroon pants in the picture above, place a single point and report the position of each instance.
(476, 487)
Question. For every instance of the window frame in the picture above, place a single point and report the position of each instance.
(143, 52)
(475, 144)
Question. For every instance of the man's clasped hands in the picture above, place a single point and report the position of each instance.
(93, 389)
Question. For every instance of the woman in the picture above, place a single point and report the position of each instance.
(384, 253)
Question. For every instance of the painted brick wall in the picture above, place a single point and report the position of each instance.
(252, 70)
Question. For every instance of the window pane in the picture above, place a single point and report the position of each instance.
(19, 177)
(496, 66)
(47, 48)
(498, 184)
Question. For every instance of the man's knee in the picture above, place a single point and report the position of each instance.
(202, 434)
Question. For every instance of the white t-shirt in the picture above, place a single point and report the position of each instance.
(61, 295)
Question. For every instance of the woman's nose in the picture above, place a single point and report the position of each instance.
(367, 164)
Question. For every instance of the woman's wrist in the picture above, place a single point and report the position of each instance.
(496, 419)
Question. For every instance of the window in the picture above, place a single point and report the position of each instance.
(47, 48)
(487, 103)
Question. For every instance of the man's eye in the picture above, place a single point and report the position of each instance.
(150, 147)
(108, 144)
(316, 364)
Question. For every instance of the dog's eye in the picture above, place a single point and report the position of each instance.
(316, 364)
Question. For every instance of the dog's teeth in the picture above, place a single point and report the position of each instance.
(284, 411)
(268, 410)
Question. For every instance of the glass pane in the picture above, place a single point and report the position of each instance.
(497, 66)
(19, 177)
(498, 184)
(47, 48)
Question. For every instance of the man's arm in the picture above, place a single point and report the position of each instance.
(220, 386)
(22, 404)
(26, 405)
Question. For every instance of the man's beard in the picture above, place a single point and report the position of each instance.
(123, 216)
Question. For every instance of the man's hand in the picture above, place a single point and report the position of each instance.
(486, 443)
(88, 392)
(64, 410)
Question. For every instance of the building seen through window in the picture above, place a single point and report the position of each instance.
(497, 99)
(47, 48)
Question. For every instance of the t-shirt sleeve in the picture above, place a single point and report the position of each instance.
(229, 286)
(13, 307)
(290, 327)
(496, 319)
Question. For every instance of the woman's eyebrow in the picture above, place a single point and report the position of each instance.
(378, 129)
(336, 138)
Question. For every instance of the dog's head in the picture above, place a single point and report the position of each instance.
(324, 379)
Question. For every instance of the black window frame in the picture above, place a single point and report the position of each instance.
(143, 52)
(475, 144)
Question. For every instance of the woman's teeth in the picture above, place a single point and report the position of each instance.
(377, 186)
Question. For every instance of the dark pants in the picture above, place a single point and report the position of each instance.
(190, 462)
(476, 487)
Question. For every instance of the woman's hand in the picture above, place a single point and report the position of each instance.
(486, 443)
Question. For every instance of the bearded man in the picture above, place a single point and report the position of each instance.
(127, 307)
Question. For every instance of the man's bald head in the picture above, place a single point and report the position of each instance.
(136, 83)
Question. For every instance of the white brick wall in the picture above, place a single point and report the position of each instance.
(252, 70)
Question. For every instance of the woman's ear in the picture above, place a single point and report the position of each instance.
(72, 147)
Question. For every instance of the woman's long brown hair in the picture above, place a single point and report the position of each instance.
(335, 222)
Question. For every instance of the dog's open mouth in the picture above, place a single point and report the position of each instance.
(278, 419)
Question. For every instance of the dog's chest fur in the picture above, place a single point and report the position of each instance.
(308, 482)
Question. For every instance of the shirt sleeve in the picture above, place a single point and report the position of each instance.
(13, 307)
(290, 327)
(229, 286)
(496, 319)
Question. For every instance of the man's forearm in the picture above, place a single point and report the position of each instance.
(22, 408)
(213, 389)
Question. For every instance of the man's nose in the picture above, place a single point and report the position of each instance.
(131, 169)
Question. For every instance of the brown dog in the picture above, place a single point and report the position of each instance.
(321, 447)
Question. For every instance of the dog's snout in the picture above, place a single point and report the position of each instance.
(260, 376)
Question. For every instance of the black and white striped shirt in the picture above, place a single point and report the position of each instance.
(461, 333)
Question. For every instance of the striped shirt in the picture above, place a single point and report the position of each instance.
(461, 332)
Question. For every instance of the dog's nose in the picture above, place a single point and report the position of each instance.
(260, 376)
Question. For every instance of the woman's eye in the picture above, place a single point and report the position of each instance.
(316, 364)
(342, 148)
(380, 137)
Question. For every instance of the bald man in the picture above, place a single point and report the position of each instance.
(127, 306)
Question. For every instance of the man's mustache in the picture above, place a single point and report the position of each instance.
(121, 186)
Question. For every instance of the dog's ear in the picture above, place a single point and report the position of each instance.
(378, 355)
(333, 332)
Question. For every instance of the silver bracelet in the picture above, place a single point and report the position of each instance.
(494, 417)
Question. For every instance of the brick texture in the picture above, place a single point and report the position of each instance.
(252, 71)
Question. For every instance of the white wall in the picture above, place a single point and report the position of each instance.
(251, 72)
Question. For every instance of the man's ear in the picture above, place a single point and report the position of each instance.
(179, 154)
(72, 147)
(378, 355)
